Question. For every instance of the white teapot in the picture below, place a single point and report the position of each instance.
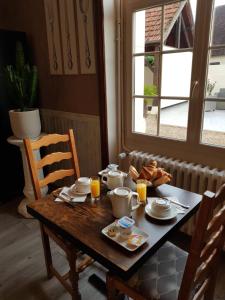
(114, 179)
(121, 199)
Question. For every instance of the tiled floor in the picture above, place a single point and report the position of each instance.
(22, 269)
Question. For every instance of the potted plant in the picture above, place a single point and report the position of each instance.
(21, 81)
(149, 90)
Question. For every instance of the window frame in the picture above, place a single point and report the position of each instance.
(192, 149)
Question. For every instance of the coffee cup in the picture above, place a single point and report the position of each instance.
(113, 179)
(82, 185)
(160, 207)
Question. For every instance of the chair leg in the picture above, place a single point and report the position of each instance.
(73, 275)
(47, 251)
(209, 294)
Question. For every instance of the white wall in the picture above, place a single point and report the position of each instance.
(110, 68)
(139, 38)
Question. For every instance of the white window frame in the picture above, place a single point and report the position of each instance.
(192, 149)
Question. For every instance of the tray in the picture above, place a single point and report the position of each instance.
(117, 239)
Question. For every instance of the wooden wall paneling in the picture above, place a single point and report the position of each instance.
(87, 134)
(85, 24)
(68, 35)
(53, 36)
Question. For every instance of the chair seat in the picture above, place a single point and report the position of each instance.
(160, 277)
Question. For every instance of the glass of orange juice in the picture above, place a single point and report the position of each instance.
(95, 187)
(142, 190)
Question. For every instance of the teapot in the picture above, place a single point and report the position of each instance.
(121, 199)
(114, 179)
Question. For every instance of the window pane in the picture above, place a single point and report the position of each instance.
(214, 126)
(173, 119)
(176, 74)
(146, 116)
(179, 21)
(147, 29)
(139, 31)
(146, 75)
(216, 74)
(218, 25)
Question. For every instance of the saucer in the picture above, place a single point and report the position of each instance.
(71, 192)
(172, 214)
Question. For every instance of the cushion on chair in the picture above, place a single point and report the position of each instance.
(160, 277)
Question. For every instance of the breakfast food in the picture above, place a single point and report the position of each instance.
(112, 231)
(125, 226)
(134, 240)
(133, 173)
(152, 173)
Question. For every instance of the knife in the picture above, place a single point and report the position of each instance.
(176, 202)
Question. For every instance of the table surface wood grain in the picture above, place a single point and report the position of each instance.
(82, 225)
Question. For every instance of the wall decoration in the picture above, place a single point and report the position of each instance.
(86, 35)
(53, 35)
(68, 34)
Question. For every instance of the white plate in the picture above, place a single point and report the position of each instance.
(72, 193)
(123, 242)
(173, 213)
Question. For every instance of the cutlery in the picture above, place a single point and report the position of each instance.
(66, 196)
(176, 202)
(64, 199)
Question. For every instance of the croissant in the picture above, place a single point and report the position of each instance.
(163, 179)
(151, 173)
(133, 173)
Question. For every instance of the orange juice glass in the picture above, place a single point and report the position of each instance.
(142, 190)
(95, 187)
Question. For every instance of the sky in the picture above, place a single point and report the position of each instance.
(193, 4)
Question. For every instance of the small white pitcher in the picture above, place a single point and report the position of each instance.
(113, 180)
(121, 199)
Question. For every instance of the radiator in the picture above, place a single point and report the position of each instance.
(186, 175)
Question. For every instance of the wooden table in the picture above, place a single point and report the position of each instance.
(83, 223)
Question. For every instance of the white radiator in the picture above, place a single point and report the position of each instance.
(189, 176)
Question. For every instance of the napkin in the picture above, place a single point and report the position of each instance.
(66, 194)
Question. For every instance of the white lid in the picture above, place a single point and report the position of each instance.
(126, 222)
(112, 166)
(83, 180)
(114, 173)
(122, 192)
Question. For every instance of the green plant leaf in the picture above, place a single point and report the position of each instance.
(21, 81)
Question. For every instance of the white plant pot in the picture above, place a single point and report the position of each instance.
(25, 123)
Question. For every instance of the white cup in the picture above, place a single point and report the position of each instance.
(82, 185)
(113, 180)
(160, 207)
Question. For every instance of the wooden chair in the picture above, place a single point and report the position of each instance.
(34, 166)
(172, 273)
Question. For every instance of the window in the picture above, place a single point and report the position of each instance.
(213, 131)
(174, 66)
(162, 58)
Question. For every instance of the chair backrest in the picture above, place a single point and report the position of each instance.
(199, 277)
(49, 159)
